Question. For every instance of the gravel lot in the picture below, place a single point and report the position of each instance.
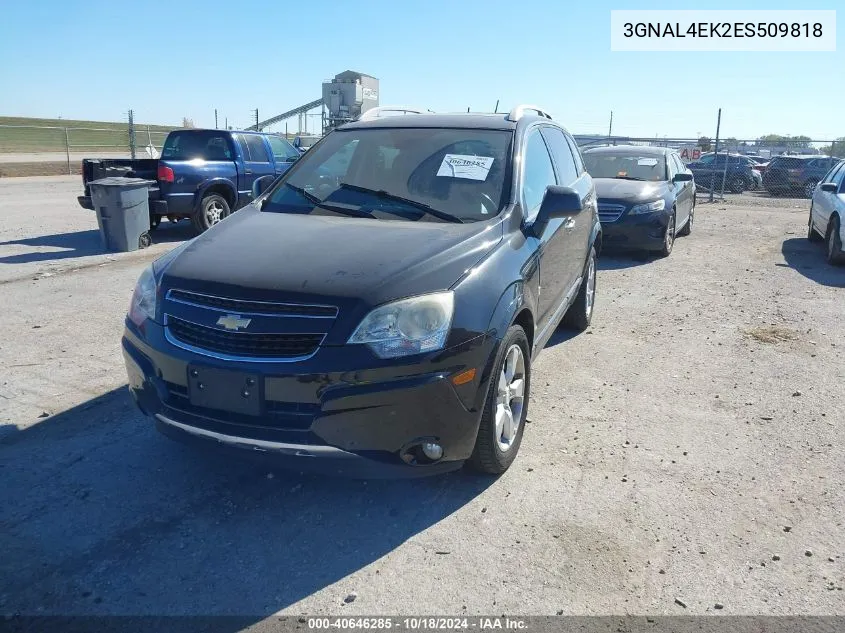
(688, 447)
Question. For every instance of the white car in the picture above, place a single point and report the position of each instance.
(827, 213)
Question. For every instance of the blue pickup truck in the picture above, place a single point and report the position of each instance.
(203, 175)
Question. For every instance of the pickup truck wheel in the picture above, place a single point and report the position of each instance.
(213, 208)
(580, 313)
(155, 220)
(506, 406)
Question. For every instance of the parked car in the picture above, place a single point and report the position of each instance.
(760, 163)
(203, 175)
(304, 142)
(380, 304)
(796, 174)
(827, 213)
(646, 196)
(734, 170)
(757, 179)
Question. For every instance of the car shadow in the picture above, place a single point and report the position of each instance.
(103, 516)
(84, 243)
(561, 335)
(617, 260)
(808, 258)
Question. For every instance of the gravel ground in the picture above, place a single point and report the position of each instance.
(687, 449)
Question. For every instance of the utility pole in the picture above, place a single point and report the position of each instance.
(132, 133)
(713, 179)
(226, 122)
(215, 118)
(256, 118)
(610, 127)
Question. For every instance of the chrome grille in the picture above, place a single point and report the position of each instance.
(610, 212)
(245, 306)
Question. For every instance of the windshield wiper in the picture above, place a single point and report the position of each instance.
(354, 212)
(629, 178)
(422, 206)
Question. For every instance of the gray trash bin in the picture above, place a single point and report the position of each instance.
(123, 212)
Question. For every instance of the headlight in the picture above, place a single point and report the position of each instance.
(648, 207)
(410, 326)
(143, 304)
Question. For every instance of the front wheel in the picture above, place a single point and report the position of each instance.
(835, 255)
(737, 185)
(812, 234)
(580, 313)
(506, 406)
(669, 237)
(212, 209)
(688, 226)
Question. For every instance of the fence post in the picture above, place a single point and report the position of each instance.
(716, 154)
(67, 151)
(132, 134)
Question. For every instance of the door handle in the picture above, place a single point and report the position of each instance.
(247, 171)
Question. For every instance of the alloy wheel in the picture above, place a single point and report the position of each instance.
(510, 398)
(214, 212)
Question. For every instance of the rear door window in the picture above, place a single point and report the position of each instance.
(257, 150)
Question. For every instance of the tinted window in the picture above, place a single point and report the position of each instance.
(191, 144)
(671, 167)
(282, 150)
(562, 154)
(257, 150)
(706, 160)
(369, 171)
(576, 153)
(787, 163)
(537, 174)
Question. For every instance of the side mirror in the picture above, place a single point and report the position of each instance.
(829, 187)
(559, 202)
(682, 177)
(261, 185)
(293, 159)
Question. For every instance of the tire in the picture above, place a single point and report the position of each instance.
(212, 209)
(668, 237)
(144, 240)
(737, 184)
(835, 255)
(155, 220)
(812, 234)
(688, 226)
(494, 452)
(809, 188)
(580, 313)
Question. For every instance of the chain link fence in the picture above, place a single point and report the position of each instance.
(770, 165)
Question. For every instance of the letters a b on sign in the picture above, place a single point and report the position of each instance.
(689, 154)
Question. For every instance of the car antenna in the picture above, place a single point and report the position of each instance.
(496, 111)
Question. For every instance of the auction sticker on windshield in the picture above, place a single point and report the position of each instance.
(462, 166)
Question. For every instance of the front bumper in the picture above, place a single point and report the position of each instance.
(636, 232)
(325, 413)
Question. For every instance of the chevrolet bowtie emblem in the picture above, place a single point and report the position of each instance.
(233, 322)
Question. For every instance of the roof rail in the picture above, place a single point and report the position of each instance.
(378, 112)
(519, 111)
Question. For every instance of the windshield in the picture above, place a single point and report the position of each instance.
(626, 166)
(400, 174)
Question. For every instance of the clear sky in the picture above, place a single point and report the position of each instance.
(168, 60)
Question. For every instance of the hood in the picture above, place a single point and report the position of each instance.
(328, 259)
(628, 190)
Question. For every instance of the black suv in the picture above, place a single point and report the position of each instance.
(796, 174)
(380, 304)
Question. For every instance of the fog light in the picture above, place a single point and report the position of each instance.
(432, 451)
